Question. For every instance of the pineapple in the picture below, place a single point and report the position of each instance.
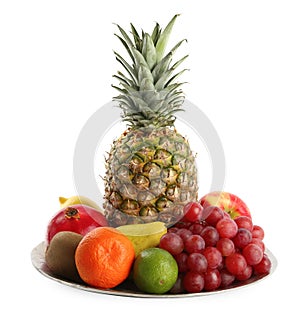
(150, 170)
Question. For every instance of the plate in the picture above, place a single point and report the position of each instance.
(127, 288)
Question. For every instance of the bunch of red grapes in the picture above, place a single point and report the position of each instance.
(214, 251)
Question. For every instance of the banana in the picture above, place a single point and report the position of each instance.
(78, 199)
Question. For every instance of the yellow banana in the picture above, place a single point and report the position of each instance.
(78, 199)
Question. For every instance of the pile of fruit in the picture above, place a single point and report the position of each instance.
(153, 231)
(211, 247)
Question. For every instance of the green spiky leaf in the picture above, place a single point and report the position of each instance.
(149, 93)
(163, 39)
(149, 51)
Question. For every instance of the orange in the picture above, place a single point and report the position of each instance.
(104, 257)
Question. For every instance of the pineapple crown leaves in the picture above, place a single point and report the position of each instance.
(149, 94)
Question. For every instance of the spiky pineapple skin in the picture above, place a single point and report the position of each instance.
(150, 175)
(150, 171)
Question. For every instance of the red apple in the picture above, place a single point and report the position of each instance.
(228, 202)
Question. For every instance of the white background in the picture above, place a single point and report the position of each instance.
(56, 66)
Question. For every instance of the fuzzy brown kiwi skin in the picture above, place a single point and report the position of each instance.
(60, 255)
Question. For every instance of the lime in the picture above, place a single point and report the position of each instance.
(144, 235)
(155, 271)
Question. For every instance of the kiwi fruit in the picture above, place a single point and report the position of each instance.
(60, 255)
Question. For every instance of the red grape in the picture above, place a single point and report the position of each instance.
(226, 215)
(244, 222)
(196, 228)
(253, 254)
(212, 280)
(245, 275)
(193, 211)
(184, 233)
(193, 282)
(235, 263)
(258, 232)
(178, 286)
(197, 262)
(242, 238)
(213, 257)
(172, 243)
(181, 260)
(227, 228)
(259, 243)
(194, 244)
(173, 229)
(264, 266)
(212, 214)
(210, 236)
(225, 246)
(226, 278)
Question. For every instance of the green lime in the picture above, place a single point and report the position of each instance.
(155, 271)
